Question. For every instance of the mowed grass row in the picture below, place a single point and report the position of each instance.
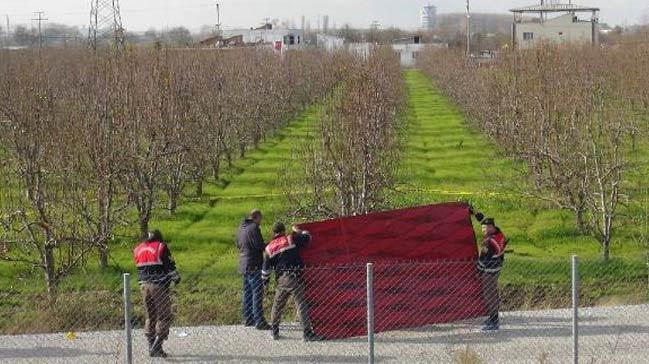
(445, 160)
(200, 235)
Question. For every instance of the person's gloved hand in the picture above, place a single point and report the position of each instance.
(479, 215)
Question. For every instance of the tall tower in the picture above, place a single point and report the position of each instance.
(428, 17)
(105, 24)
(325, 24)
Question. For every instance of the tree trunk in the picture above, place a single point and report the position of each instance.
(103, 255)
(172, 202)
(50, 270)
(144, 227)
(216, 168)
(606, 249)
(199, 186)
(105, 193)
(580, 222)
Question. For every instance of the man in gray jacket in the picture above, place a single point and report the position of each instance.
(251, 258)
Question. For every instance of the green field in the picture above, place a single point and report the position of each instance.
(443, 160)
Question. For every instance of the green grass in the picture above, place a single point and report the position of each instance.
(200, 235)
(443, 160)
(446, 161)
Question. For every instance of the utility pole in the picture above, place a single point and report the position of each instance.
(8, 32)
(468, 28)
(217, 28)
(40, 20)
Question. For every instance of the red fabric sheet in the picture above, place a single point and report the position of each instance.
(443, 286)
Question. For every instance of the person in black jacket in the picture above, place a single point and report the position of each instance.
(282, 256)
(156, 270)
(251, 249)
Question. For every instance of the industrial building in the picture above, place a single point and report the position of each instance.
(408, 49)
(279, 39)
(330, 42)
(428, 17)
(555, 23)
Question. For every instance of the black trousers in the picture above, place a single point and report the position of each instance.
(491, 295)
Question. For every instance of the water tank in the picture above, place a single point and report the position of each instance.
(428, 17)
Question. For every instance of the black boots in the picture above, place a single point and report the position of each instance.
(275, 332)
(263, 326)
(310, 336)
(156, 348)
(492, 323)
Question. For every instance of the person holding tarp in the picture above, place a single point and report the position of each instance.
(251, 247)
(490, 263)
(156, 271)
(282, 256)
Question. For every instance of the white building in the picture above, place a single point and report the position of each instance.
(330, 42)
(428, 17)
(556, 23)
(408, 53)
(280, 39)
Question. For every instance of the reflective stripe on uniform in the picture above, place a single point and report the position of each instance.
(279, 245)
(148, 254)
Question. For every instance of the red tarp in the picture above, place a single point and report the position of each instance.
(406, 294)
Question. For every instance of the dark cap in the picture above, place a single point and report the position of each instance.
(279, 228)
(254, 213)
(154, 235)
(489, 221)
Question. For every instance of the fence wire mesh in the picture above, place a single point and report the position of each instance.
(423, 313)
(65, 328)
(614, 313)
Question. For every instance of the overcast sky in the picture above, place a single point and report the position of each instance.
(139, 15)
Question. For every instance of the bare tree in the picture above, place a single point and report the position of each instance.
(352, 167)
(569, 114)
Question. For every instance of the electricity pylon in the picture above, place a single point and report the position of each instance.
(105, 24)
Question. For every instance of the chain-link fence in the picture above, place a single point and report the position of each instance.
(64, 328)
(385, 312)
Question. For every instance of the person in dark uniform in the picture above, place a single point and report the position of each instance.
(490, 263)
(156, 270)
(251, 257)
(282, 256)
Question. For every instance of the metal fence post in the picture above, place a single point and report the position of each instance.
(575, 309)
(127, 318)
(370, 313)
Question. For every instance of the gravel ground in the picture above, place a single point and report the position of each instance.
(615, 334)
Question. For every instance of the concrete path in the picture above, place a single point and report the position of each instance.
(617, 335)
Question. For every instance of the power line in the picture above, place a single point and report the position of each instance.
(40, 20)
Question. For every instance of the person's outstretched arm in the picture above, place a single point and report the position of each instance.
(477, 214)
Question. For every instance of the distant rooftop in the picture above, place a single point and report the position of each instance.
(553, 8)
